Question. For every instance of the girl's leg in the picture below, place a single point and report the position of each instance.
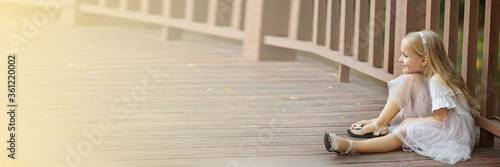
(375, 145)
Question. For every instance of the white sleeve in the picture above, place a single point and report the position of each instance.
(442, 96)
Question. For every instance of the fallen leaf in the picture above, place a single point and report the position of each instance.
(350, 106)
(191, 65)
(342, 117)
(225, 88)
(335, 75)
(358, 104)
(210, 89)
(296, 98)
(330, 87)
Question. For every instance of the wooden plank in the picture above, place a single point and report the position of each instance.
(450, 34)
(490, 58)
(236, 18)
(469, 49)
(212, 12)
(360, 42)
(390, 26)
(293, 28)
(432, 15)
(490, 125)
(410, 17)
(346, 26)
(376, 38)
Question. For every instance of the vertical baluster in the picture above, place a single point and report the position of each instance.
(450, 36)
(315, 21)
(236, 15)
(489, 73)
(469, 50)
(212, 12)
(432, 15)
(376, 21)
(390, 27)
(101, 3)
(189, 10)
(123, 4)
(145, 6)
(360, 24)
(293, 28)
(333, 24)
(170, 33)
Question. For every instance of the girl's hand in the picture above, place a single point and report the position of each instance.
(362, 122)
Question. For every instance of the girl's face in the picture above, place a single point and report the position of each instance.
(410, 61)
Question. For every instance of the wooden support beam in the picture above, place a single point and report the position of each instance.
(268, 17)
(123, 4)
(170, 10)
(189, 11)
(450, 35)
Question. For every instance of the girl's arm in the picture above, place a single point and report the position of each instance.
(439, 115)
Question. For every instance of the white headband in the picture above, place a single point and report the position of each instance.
(423, 42)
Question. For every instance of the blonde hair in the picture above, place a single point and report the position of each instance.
(439, 63)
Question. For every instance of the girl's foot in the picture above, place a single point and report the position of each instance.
(337, 144)
(369, 130)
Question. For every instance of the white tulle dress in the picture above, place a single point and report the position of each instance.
(451, 140)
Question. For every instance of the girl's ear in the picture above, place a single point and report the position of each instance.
(424, 61)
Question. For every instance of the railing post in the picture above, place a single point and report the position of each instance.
(410, 16)
(266, 17)
(172, 9)
(490, 58)
(71, 15)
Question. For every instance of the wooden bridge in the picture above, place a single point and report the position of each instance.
(103, 91)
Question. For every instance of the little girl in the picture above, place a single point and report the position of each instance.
(429, 108)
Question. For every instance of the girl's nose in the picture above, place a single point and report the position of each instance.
(400, 59)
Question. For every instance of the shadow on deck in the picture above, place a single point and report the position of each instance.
(118, 96)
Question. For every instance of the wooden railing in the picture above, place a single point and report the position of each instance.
(350, 32)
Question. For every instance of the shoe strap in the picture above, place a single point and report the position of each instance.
(350, 147)
(375, 124)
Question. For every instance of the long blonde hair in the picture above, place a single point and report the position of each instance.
(439, 63)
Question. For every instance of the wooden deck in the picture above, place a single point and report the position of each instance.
(212, 107)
